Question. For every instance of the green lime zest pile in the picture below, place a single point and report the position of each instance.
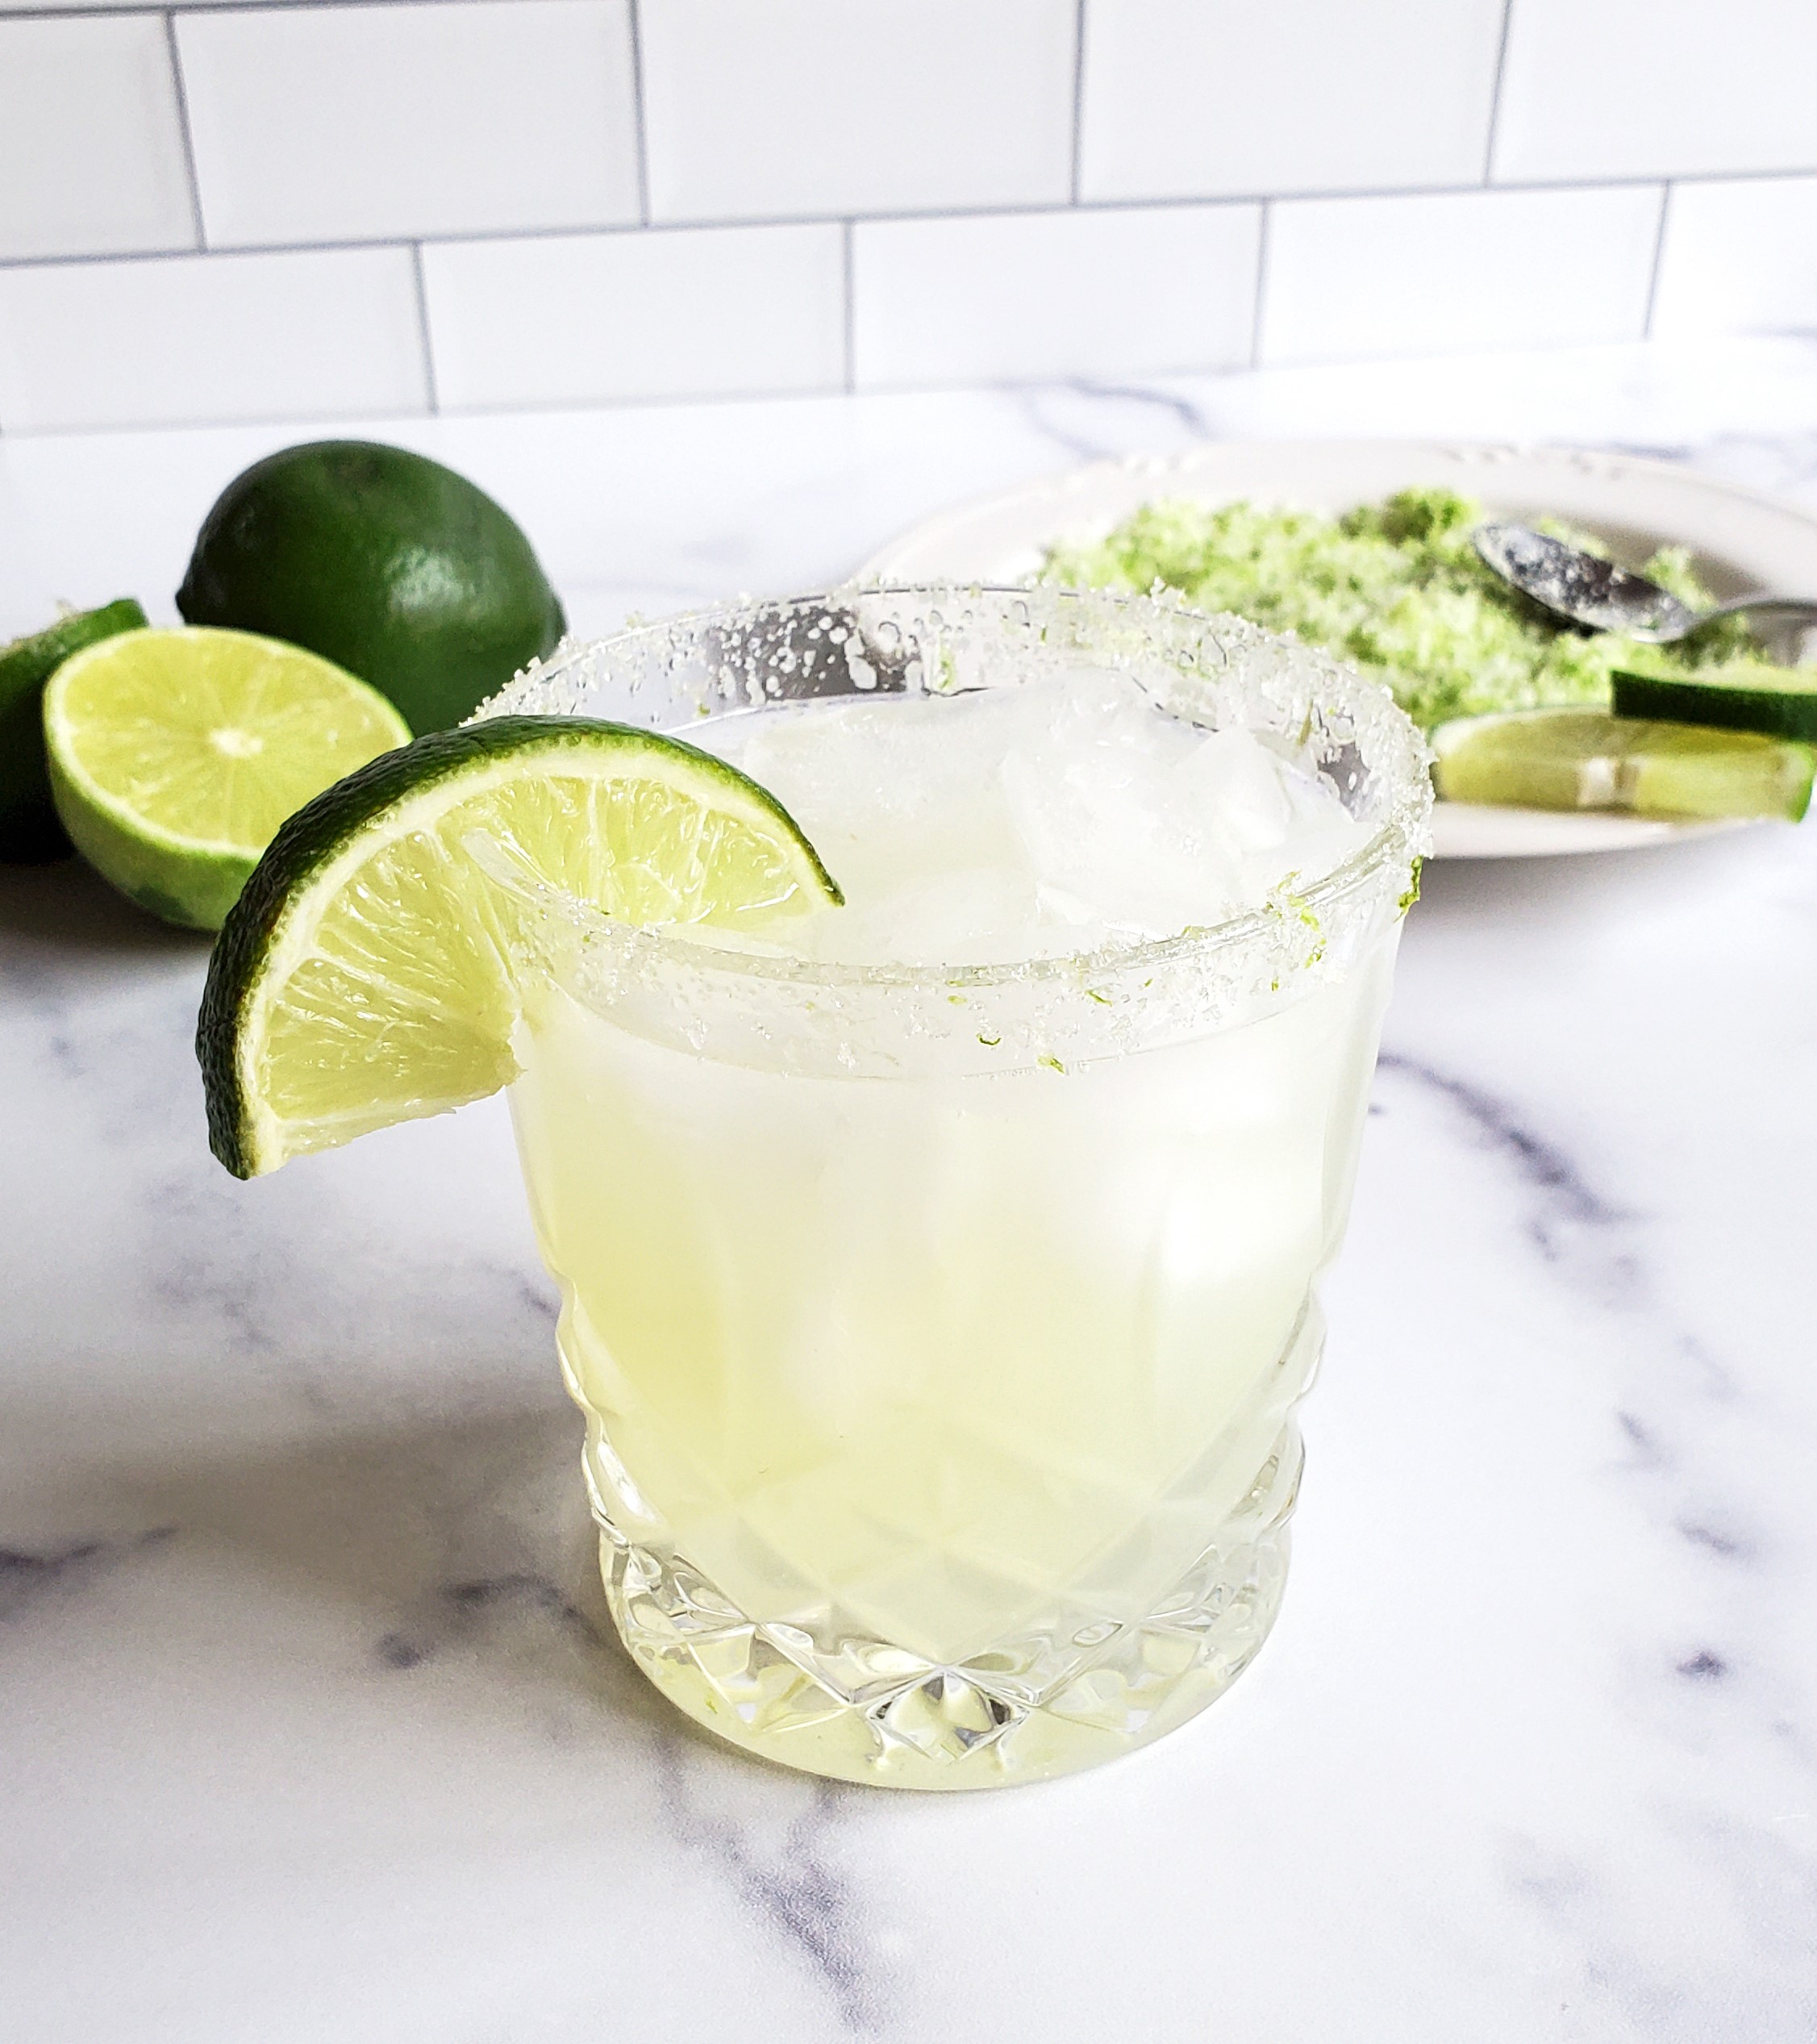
(1397, 588)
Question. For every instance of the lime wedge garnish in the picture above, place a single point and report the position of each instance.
(1746, 695)
(1587, 759)
(174, 756)
(366, 977)
(29, 825)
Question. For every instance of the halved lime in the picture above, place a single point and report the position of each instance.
(1587, 759)
(1746, 695)
(29, 825)
(366, 975)
(174, 757)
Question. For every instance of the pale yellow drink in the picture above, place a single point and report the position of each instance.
(939, 1327)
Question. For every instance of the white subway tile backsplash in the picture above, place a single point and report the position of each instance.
(685, 312)
(1196, 98)
(1611, 88)
(209, 337)
(91, 145)
(894, 192)
(1738, 256)
(354, 123)
(1109, 292)
(799, 108)
(1435, 272)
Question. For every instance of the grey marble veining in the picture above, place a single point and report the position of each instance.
(313, 1723)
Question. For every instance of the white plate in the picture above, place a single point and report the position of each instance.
(1742, 542)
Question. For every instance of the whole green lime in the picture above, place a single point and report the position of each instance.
(383, 561)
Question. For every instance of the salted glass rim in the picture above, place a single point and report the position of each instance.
(1402, 839)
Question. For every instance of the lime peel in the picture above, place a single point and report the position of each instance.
(1745, 695)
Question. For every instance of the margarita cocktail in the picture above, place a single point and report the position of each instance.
(938, 1268)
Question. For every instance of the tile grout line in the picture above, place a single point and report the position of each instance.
(1078, 94)
(848, 236)
(541, 407)
(638, 129)
(1495, 92)
(610, 229)
(1261, 285)
(113, 10)
(422, 329)
(183, 128)
(1659, 259)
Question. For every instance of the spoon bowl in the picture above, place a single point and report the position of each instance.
(1586, 590)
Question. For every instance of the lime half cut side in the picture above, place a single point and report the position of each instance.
(367, 974)
(1587, 759)
(175, 755)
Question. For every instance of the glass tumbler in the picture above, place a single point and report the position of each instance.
(939, 1330)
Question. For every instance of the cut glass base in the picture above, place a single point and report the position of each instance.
(834, 1703)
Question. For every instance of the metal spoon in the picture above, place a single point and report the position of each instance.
(1587, 591)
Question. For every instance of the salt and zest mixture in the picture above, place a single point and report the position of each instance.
(1398, 588)
(1039, 821)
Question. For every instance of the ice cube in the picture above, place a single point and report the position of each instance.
(1016, 822)
(1231, 786)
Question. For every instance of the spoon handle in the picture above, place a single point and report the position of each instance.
(1788, 606)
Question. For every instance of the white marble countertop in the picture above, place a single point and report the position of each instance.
(309, 1726)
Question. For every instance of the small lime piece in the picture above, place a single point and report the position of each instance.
(1746, 695)
(391, 565)
(1587, 759)
(175, 755)
(365, 975)
(29, 829)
